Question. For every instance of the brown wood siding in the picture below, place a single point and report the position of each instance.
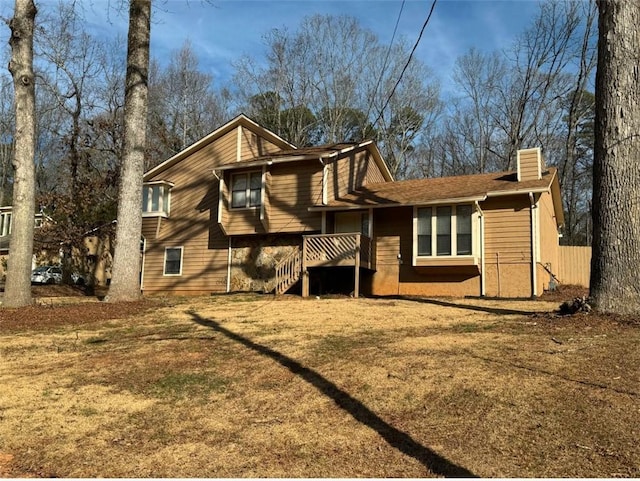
(529, 164)
(549, 242)
(192, 224)
(507, 229)
(350, 172)
(293, 188)
(193, 220)
(374, 174)
(427, 281)
(204, 250)
(252, 145)
(203, 269)
(202, 162)
(507, 246)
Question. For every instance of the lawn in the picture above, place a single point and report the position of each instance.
(256, 386)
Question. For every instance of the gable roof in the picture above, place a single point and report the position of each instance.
(447, 190)
(316, 153)
(240, 120)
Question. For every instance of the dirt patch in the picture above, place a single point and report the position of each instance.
(256, 386)
(565, 293)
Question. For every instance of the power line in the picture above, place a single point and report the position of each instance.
(415, 46)
(386, 60)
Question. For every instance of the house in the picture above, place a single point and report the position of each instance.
(91, 258)
(6, 221)
(244, 210)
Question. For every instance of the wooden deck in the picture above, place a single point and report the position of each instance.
(332, 250)
(325, 250)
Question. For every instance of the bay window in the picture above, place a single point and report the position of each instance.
(155, 199)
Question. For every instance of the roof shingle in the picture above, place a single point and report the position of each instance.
(442, 189)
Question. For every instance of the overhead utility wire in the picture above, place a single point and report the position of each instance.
(385, 63)
(426, 22)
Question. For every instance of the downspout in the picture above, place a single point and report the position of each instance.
(229, 267)
(144, 256)
(325, 175)
(483, 290)
(534, 256)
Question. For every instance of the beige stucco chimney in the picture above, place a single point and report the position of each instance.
(530, 164)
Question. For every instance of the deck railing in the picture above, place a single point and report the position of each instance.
(288, 272)
(337, 250)
(324, 250)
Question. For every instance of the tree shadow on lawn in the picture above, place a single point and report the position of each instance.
(470, 307)
(435, 463)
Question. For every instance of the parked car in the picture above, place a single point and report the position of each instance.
(46, 275)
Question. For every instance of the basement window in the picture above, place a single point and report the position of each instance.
(173, 261)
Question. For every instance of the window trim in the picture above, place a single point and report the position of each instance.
(451, 259)
(164, 264)
(247, 190)
(165, 190)
(6, 222)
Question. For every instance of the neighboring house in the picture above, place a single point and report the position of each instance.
(6, 221)
(91, 260)
(244, 210)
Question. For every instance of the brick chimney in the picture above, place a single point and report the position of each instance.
(530, 164)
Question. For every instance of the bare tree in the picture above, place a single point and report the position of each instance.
(478, 77)
(331, 80)
(71, 72)
(125, 281)
(7, 126)
(18, 286)
(615, 277)
(183, 105)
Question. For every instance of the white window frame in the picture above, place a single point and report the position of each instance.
(453, 233)
(164, 193)
(164, 264)
(247, 204)
(6, 223)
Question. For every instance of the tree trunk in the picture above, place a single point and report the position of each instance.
(18, 287)
(615, 272)
(125, 281)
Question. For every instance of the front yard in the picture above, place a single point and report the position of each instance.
(256, 386)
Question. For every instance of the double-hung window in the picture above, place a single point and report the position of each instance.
(463, 230)
(444, 231)
(246, 190)
(173, 261)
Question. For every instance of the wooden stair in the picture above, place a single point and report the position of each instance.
(288, 272)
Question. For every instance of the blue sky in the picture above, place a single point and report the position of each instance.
(223, 30)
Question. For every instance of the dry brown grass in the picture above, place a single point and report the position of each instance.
(252, 386)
